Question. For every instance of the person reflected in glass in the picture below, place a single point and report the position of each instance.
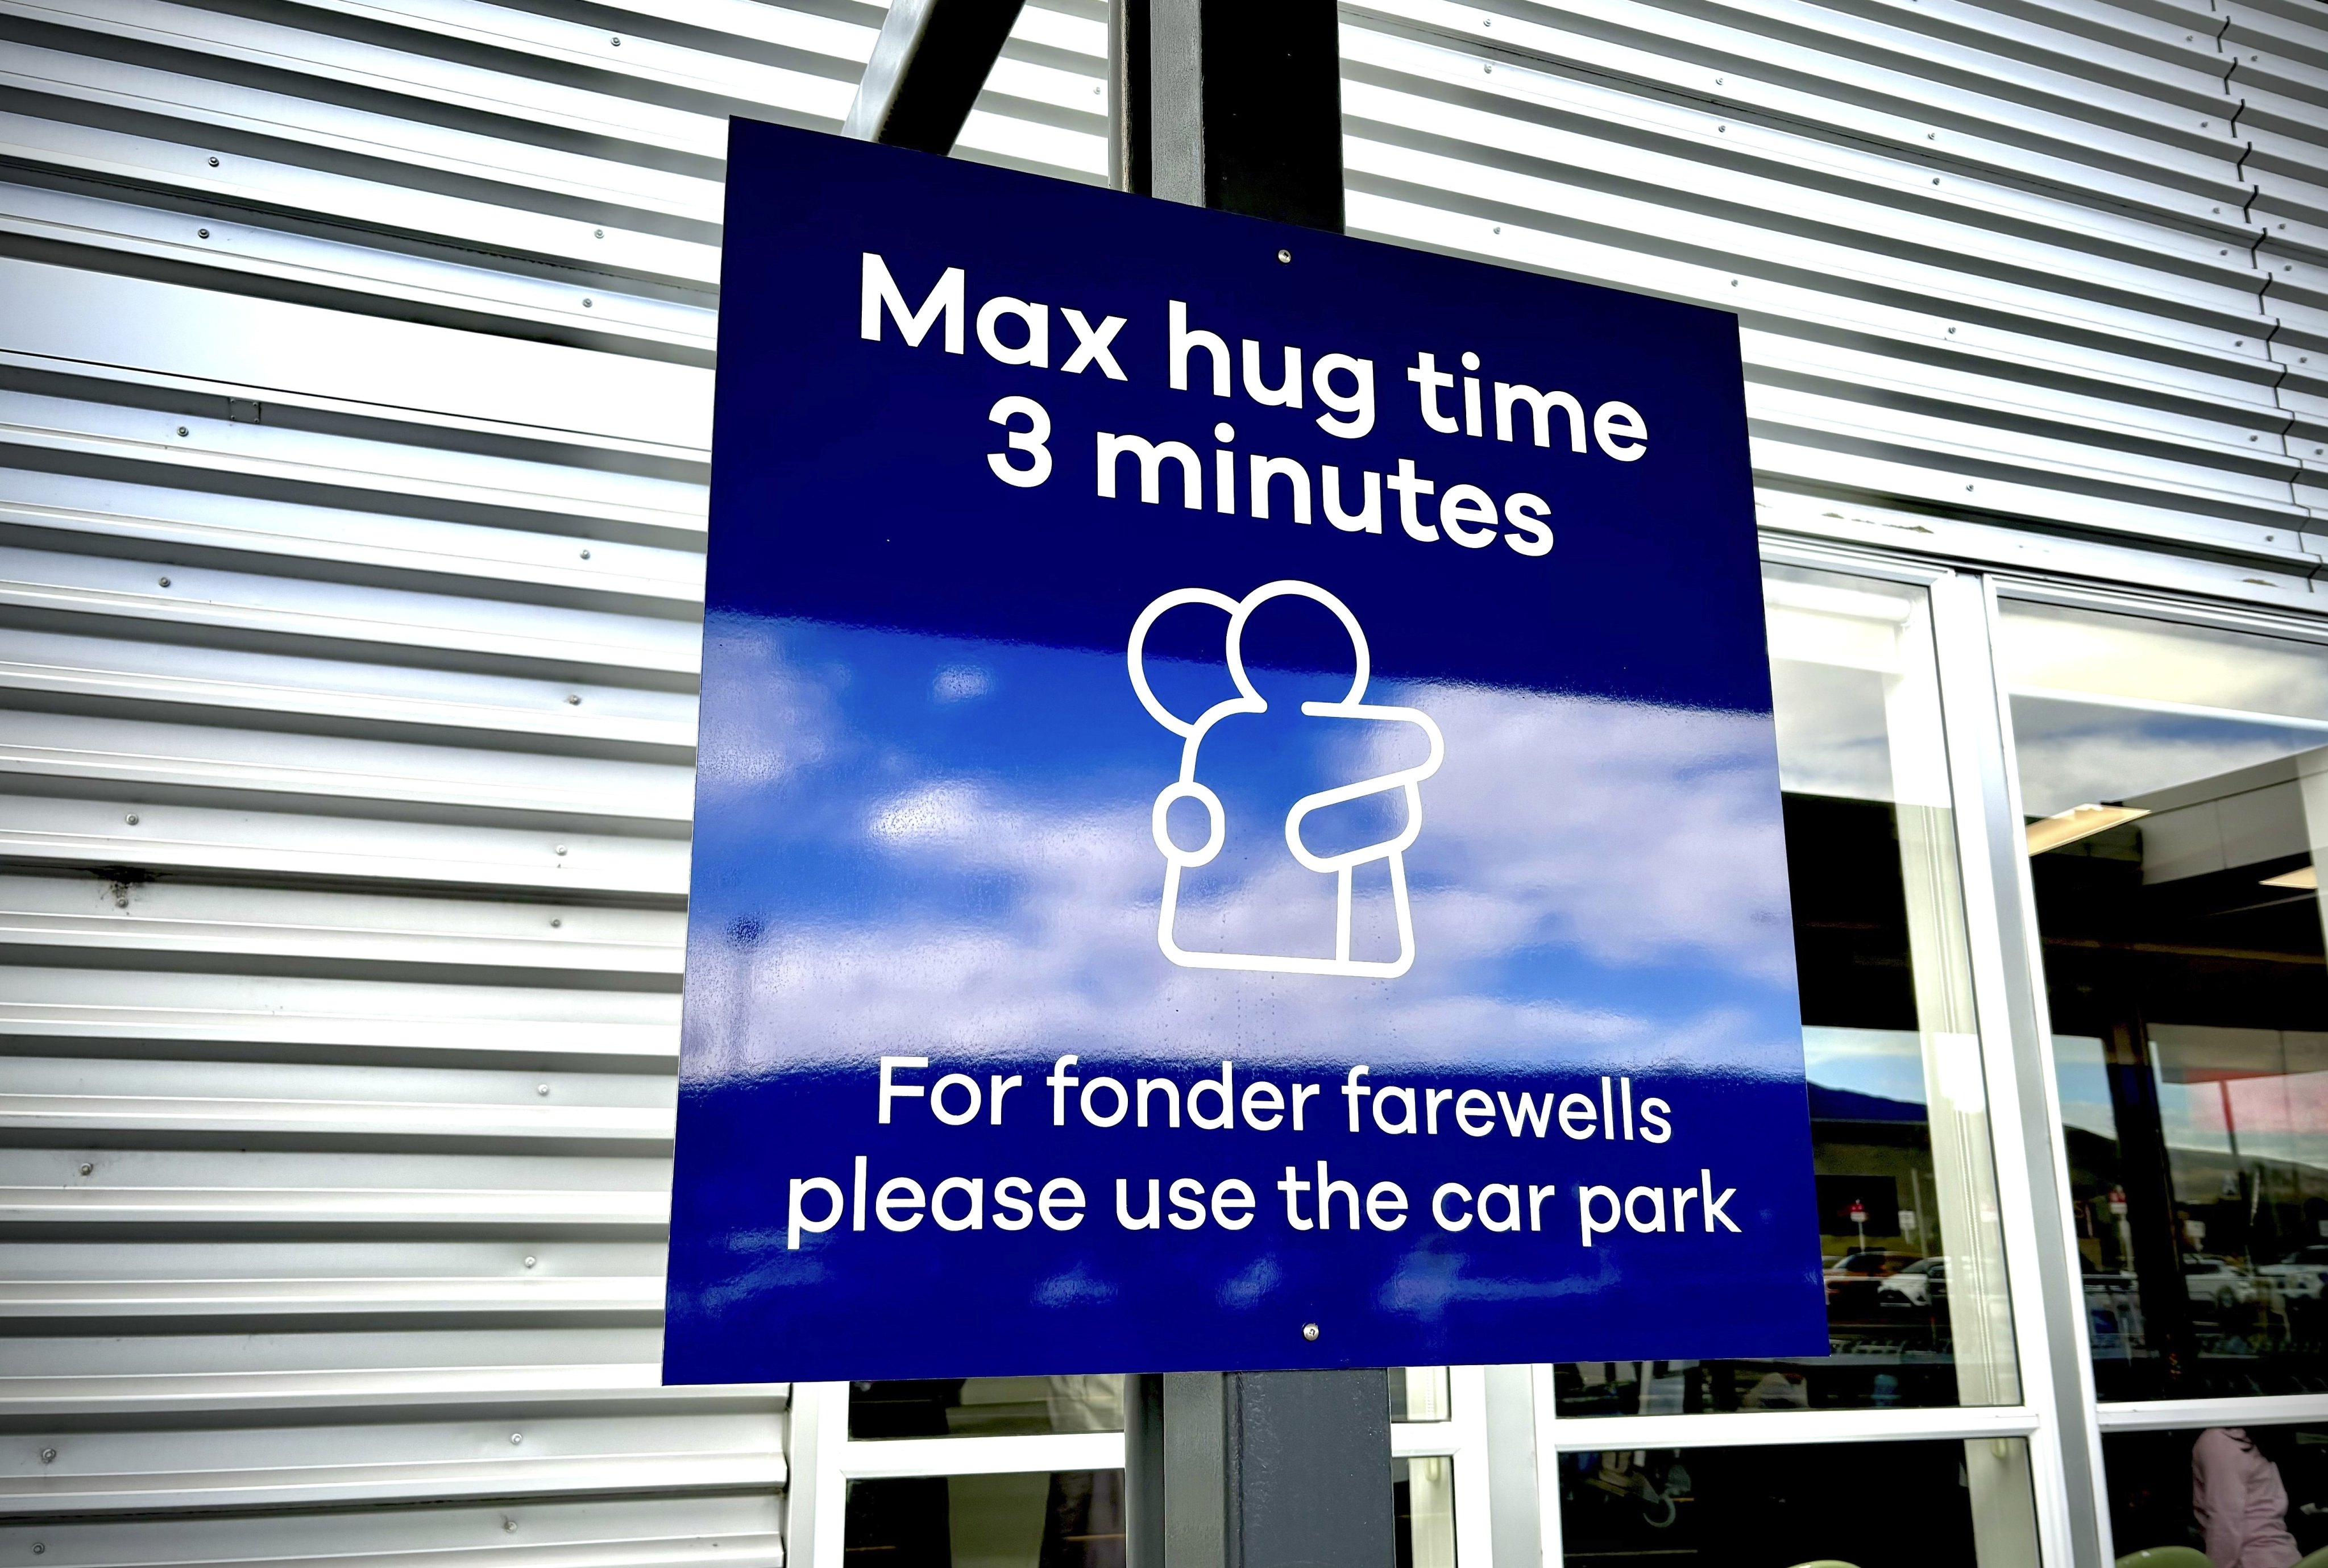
(2240, 1502)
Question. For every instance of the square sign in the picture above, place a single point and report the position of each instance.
(1238, 815)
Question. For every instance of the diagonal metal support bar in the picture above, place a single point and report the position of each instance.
(927, 67)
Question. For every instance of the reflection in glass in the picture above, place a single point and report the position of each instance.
(985, 1406)
(1424, 1502)
(1913, 1253)
(1072, 1519)
(1897, 1505)
(1420, 1394)
(2256, 1494)
(2176, 784)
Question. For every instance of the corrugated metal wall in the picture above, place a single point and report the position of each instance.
(353, 401)
(353, 383)
(2049, 263)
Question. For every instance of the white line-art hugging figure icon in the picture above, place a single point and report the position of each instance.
(1342, 865)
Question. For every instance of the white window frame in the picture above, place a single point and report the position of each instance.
(2167, 593)
(825, 1458)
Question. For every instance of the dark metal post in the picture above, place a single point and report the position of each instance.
(1129, 154)
(1246, 107)
(1258, 1469)
(1309, 1469)
(1238, 104)
(1143, 1470)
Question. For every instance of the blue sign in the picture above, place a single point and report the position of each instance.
(1238, 815)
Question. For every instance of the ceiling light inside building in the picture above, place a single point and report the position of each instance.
(2076, 822)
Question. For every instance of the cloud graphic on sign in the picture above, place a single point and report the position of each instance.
(765, 721)
(1613, 908)
(1075, 1288)
(1428, 1280)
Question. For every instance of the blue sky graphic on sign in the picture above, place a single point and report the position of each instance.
(1237, 792)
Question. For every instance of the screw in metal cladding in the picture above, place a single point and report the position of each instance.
(1309, 1331)
(182, 429)
(213, 163)
(39, 1548)
(48, 1456)
(531, 1262)
(541, 1088)
(573, 699)
(1285, 255)
(556, 921)
(87, 1167)
(202, 234)
(163, 581)
(509, 1524)
(131, 819)
(517, 1437)
(585, 554)
(561, 849)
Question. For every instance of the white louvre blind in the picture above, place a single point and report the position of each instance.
(2060, 265)
(354, 390)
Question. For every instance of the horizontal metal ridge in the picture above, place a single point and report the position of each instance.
(244, 182)
(85, 1303)
(231, 923)
(272, 1483)
(170, 837)
(621, 1531)
(534, 1385)
(158, 595)
(92, 1121)
(327, 471)
(92, 321)
(336, 1018)
(381, 1209)
(289, 543)
(135, 755)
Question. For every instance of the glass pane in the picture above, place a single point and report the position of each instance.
(2256, 1494)
(1420, 1394)
(1914, 1259)
(1423, 1493)
(1894, 1505)
(985, 1406)
(2176, 784)
(1073, 1520)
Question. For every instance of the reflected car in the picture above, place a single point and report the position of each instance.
(2300, 1276)
(2212, 1282)
(1852, 1278)
(1923, 1284)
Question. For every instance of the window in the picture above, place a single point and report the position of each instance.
(1917, 1312)
(2176, 781)
(985, 1406)
(1027, 1472)
(1904, 1505)
(2231, 1492)
(1422, 1491)
(1070, 1519)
